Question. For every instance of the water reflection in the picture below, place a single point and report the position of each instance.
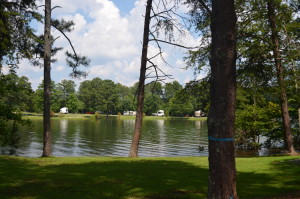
(112, 137)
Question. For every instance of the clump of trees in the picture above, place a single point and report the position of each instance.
(15, 95)
(268, 76)
(267, 68)
(17, 41)
(108, 97)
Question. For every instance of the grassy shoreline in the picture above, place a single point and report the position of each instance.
(122, 117)
(144, 178)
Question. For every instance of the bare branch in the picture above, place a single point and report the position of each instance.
(54, 39)
(163, 12)
(158, 69)
(56, 7)
(178, 45)
(155, 55)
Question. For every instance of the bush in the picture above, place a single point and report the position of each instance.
(52, 114)
(119, 115)
(97, 115)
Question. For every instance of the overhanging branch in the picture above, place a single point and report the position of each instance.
(69, 43)
(174, 44)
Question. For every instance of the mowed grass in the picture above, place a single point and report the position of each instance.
(146, 178)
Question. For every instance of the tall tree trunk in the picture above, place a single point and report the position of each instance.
(47, 80)
(299, 118)
(222, 171)
(280, 78)
(141, 86)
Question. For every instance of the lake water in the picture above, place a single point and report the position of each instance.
(112, 137)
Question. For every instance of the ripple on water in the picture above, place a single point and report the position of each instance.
(159, 138)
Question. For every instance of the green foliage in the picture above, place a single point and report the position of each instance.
(73, 60)
(15, 92)
(66, 88)
(258, 89)
(256, 70)
(96, 116)
(17, 37)
(38, 98)
(126, 103)
(99, 95)
(152, 103)
(181, 104)
(15, 95)
(253, 121)
(170, 90)
(74, 104)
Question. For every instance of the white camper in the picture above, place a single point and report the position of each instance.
(131, 113)
(198, 113)
(161, 113)
(64, 110)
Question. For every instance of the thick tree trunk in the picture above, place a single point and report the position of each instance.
(280, 77)
(141, 86)
(298, 137)
(299, 118)
(47, 80)
(222, 171)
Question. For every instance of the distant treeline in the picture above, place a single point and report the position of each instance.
(107, 97)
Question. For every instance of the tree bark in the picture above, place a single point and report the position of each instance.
(280, 78)
(222, 170)
(299, 118)
(141, 86)
(298, 137)
(47, 81)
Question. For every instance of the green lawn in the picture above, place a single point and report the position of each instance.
(148, 178)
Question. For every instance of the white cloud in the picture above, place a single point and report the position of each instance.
(111, 41)
(5, 69)
(59, 68)
(100, 70)
(25, 67)
(106, 35)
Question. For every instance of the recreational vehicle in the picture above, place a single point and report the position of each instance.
(64, 110)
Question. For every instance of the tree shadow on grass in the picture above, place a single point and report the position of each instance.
(107, 179)
(127, 178)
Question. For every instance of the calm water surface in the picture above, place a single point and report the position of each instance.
(112, 137)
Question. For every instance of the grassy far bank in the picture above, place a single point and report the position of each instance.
(122, 117)
(145, 178)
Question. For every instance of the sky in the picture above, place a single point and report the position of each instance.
(109, 32)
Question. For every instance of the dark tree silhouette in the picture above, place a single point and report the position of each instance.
(47, 80)
(44, 49)
(280, 78)
(222, 171)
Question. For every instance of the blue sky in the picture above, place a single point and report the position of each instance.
(124, 5)
(109, 32)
